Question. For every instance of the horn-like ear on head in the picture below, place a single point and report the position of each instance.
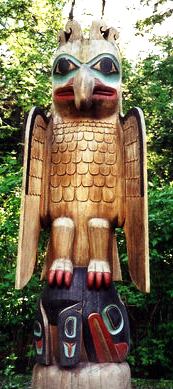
(99, 30)
(110, 34)
(72, 32)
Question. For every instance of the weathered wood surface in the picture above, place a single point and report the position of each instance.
(31, 193)
(85, 376)
(85, 163)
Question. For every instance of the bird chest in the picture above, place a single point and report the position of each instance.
(86, 166)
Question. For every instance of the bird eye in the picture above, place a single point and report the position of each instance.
(64, 66)
(106, 66)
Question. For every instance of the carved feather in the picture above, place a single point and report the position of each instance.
(35, 136)
(83, 162)
(136, 220)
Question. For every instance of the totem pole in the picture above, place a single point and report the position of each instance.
(84, 176)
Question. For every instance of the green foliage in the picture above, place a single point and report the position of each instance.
(10, 379)
(151, 316)
(160, 11)
(28, 39)
(17, 308)
(150, 86)
(151, 384)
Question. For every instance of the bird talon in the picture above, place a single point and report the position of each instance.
(99, 274)
(61, 271)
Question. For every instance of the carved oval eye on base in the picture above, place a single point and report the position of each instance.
(113, 319)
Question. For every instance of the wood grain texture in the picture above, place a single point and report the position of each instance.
(116, 267)
(136, 222)
(84, 153)
(88, 161)
(86, 171)
(28, 239)
(31, 192)
(87, 376)
(61, 240)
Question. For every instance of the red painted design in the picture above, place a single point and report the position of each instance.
(63, 94)
(39, 344)
(60, 276)
(70, 347)
(98, 278)
(51, 275)
(103, 92)
(68, 278)
(121, 350)
(107, 278)
(90, 278)
(106, 350)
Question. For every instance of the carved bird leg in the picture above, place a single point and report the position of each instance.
(99, 269)
(61, 245)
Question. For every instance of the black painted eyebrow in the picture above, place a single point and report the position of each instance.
(69, 57)
(95, 60)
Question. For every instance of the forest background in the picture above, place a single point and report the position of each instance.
(28, 38)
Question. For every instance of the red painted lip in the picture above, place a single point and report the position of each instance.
(102, 92)
(62, 94)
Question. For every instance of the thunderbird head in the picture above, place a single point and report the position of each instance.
(87, 77)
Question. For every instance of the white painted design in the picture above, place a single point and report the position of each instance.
(70, 327)
(63, 264)
(63, 222)
(98, 223)
(108, 322)
(69, 349)
(95, 265)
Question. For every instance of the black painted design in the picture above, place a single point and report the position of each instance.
(69, 308)
(69, 329)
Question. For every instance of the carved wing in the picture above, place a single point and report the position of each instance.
(136, 219)
(35, 140)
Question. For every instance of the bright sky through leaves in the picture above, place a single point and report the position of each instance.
(122, 15)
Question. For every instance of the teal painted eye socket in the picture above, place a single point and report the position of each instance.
(64, 66)
(37, 328)
(106, 66)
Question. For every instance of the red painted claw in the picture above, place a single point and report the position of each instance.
(59, 277)
(90, 279)
(51, 275)
(99, 277)
(107, 279)
(67, 278)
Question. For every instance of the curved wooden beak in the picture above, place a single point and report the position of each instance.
(83, 87)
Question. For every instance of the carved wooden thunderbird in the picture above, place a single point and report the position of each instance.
(85, 169)
(84, 175)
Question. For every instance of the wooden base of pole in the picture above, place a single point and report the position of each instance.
(84, 376)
